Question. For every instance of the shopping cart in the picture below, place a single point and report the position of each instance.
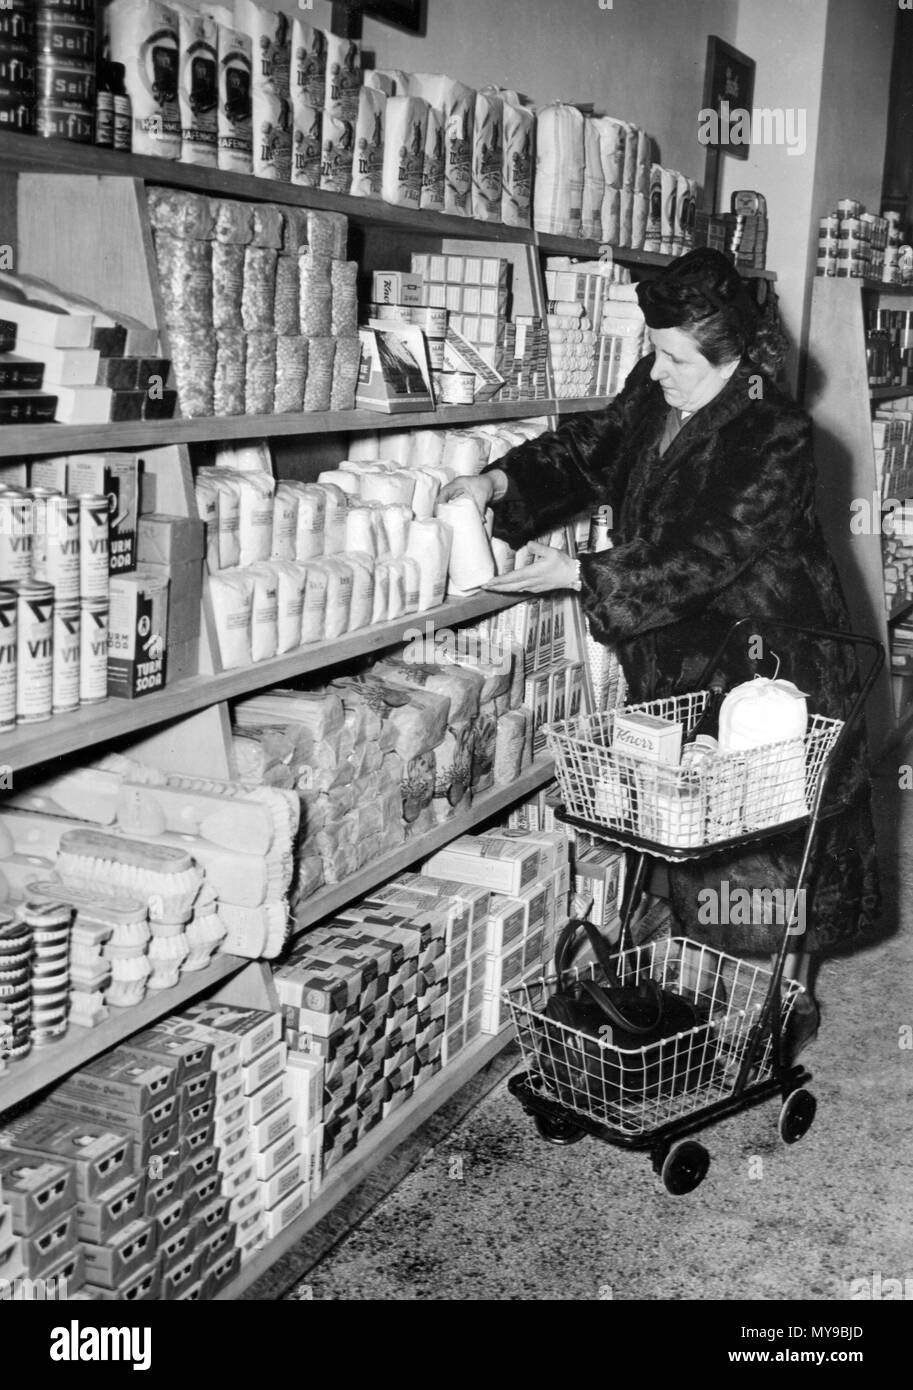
(654, 1097)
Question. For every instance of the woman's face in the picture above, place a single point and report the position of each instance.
(687, 379)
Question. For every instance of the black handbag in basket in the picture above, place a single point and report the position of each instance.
(642, 1020)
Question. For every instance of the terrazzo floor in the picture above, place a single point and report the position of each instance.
(491, 1212)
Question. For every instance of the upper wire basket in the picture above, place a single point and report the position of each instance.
(725, 797)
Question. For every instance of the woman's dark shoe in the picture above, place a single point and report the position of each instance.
(802, 1027)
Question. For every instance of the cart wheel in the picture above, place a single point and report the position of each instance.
(684, 1167)
(559, 1130)
(796, 1115)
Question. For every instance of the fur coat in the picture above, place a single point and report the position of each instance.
(721, 526)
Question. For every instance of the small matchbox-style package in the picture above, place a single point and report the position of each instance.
(642, 735)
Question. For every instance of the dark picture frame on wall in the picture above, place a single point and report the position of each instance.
(728, 89)
(409, 15)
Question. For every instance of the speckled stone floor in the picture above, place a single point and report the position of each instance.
(490, 1212)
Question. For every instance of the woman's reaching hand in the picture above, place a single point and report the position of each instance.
(551, 569)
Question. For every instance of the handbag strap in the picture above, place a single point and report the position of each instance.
(597, 941)
(603, 1000)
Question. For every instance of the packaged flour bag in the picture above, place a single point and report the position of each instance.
(456, 103)
(309, 65)
(487, 157)
(558, 190)
(404, 151)
(235, 77)
(368, 168)
(653, 232)
(307, 146)
(143, 35)
(198, 87)
(593, 182)
(433, 166)
(337, 156)
(270, 36)
(517, 168)
(343, 77)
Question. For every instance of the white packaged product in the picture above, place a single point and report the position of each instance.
(471, 561)
(337, 153)
(334, 526)
(285, 523)
(339, 594)
(310, 533)
(387, 80)
(504, 556)
(370, 124)
(307, 146)
(143, 35)
(558, 188)
(381, 602)
(397, 518)
(229, 516)
(343, 77)
(232, 597)
(426, 448)
(593, 182)
(313, 614)
(270, 96)
(458, 106)
(425, 493)
(464, 453)
(343, 479)
(432, 197)
(517, 168)
(429, 545)
(364, 447)
(256, 516)
(264, 613)
(487, 161)
(612, 144)
(361, 532)
(207, 500)
(669, 189)
(309, 64)
(291, 580)
(198, 88)
(396, 588)
(361, 606)
(387, 487)
(234, 117)
(404, 151)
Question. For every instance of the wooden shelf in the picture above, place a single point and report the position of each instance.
(45, 1065)
(582, 248)
(377, 1145)
(70, 733)
(582, 404)
(19, 440)
(890, 393)
(328, 900)
(877, 286)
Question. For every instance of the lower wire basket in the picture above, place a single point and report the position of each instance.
(635, 1091)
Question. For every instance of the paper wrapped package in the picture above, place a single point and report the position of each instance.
(270, 36)
(517, 167)
(429, 544)
(487, 157)
(143, 36)
(558, 188)
(334, 526)
(291, 579)
(483, 750)
(198, 81)
(307, 146)
(462, 688)
(343, 77)
(456, 102)
(291, 373)
(264, 615)
(337, 153)
(432, 196)
(471, 561)
(230, 372)
(453, 771)
(370, 141)
(308, 64)
(234, 116)
(231, 593)
(404, 151)
(593, 182)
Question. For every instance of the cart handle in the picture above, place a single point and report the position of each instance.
(828, 634)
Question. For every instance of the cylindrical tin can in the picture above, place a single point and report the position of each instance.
(600, 537)
(15, 536)
(55, 544)
(457, 388)
(9, 602)
(828, 226)
(65, 687)
(435, 353)
(35, 647)
(94, 517)
(93, 648)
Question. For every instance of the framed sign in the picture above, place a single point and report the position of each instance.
(725, 119)
(403, 14)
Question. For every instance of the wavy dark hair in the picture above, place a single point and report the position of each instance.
(703, 294)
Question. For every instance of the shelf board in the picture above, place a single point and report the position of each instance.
(69, 733)
(19, 440)
(889, 393)
(46, 1065)
(625, 255)
(878, 286)
(328, 900)
(377, 1145)
(581, 404)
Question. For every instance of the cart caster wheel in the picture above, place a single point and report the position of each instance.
(796, 1115)
(684, 1167)
(558, 1131)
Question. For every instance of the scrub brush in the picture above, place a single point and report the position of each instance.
(166, 878)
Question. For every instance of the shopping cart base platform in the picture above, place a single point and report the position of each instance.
(681, 1162)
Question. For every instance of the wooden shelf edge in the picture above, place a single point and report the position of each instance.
(378, 1144)
(46, 1065)
(581, 404)
(30, 440)
(889, 393)
(328, 900)
(70, 733)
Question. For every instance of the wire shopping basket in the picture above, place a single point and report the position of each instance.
(636, 1091)
(723, 797)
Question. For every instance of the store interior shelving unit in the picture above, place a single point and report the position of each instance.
(840, 401)
(77, 216)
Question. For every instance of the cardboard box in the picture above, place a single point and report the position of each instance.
(163, 1191)
(185, 595)
(502, 867)
(137, 634)
(62, 366)
(169, 540)
(35, 1189)
(221, 1273)
(272, 1127)
(109, 1213)
(37, 323)
(254, 1029)
(287, 1211)
(397, 287)
(640, 735)
(99, 1155)
(394, 375)
(283, 1183)
(160, 1116)
(265, 1068)
(267, 1098)
(122, 1080)
(110, 1265)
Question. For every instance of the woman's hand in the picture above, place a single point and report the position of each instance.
(483, 488)
(552, 569)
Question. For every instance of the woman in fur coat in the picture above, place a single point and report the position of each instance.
(707, 468)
